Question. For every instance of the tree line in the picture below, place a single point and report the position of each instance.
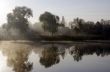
(18, 25)
(99, 28)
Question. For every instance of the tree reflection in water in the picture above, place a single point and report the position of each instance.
(17, 57)
(78, 51)
(50, 56)
(20, 61)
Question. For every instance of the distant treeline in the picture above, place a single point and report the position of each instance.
(101, 28)
(18, 27)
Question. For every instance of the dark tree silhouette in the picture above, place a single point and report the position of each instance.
(19, 18)
(50, 22)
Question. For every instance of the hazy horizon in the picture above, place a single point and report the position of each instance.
(92, 10)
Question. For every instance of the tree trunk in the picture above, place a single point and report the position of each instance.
(52, 34)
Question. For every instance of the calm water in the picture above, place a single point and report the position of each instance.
(23, 56)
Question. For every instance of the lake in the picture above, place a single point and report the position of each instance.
(27, 56)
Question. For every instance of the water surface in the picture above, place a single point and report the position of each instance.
(26, 56)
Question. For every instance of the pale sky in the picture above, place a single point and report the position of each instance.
(91, 10)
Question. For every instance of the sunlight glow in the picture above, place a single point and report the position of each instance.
(3, 64)
(4, 9)
(3, 6)
(92, 10)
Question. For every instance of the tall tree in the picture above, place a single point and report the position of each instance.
(63, 22)
(19, 18)
(50, 22)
